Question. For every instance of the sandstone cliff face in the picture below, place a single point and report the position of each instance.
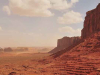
(67, 41)
(82, 58)
(92, 22)
(64, 43)
(91, 25)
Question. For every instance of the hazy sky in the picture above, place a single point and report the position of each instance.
(41, 22)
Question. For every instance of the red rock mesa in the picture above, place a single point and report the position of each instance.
(82, 58)
(65, 42)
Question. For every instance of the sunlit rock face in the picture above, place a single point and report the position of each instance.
(64, 43)
(92, 22)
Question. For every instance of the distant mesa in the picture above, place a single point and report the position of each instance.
(65, 42)
(27, 49)
(8, 49)
(16, 49)
(21, 49)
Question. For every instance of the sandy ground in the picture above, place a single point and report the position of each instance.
(22, 63)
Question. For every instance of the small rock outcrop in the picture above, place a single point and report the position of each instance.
(64, 43)
(91, 23)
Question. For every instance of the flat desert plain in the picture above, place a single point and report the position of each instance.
(22, 63)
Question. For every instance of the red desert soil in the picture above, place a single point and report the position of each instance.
(21, 64)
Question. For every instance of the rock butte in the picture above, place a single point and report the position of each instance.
(65, 42)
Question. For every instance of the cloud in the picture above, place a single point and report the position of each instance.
(62, 4)
(6, 9)
(70, 31)
(37, 8)
(74, 1)
(30, 8)
(70, 17)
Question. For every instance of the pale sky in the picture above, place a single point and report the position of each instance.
(41, 22)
